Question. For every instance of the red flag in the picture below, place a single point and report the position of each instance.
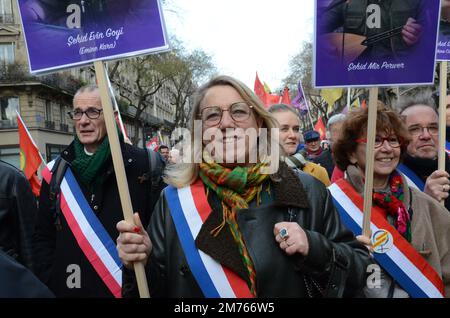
(272, 99)
(259, 90)
(153, 144)
(286, 99)
(363, 104)
(30, 159)
(320, 127)
(122, 128)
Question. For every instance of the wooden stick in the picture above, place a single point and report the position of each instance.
(119, 167)
(371, 131)
(442, 116)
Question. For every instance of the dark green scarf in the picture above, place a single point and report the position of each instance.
(88, 168)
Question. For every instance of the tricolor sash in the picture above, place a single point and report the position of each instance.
(90, 234)
(189, 209)
(411, 177)
(402, 261)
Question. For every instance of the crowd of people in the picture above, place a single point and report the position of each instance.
(232, 227)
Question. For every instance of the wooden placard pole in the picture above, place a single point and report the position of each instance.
(119, 167)
(371, 131)
(442, 116)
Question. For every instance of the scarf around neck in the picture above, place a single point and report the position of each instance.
(390, 202)
(235, 188)
(88, 167)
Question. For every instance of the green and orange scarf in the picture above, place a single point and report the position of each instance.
(235, 188)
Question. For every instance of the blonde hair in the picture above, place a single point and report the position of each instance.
(184, 174)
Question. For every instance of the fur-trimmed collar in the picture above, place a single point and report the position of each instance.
(288, 191)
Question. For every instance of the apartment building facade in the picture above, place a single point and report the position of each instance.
(43, 101)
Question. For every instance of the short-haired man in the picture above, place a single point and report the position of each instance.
(334, 125)
(74, 241)
(315, 153)
(164, 152)
(420, 163)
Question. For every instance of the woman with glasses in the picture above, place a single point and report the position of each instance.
(416, 224)
(229, 225)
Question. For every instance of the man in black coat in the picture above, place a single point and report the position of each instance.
(17, 214)
(61, 255)
(422, 121)
(19, 282)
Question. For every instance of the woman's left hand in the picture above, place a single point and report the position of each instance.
(292, 238)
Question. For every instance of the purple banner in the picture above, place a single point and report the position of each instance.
(443, 46)
(299, 101)
(66, 33)
(375, 43)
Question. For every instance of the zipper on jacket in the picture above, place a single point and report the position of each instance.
(292, 214)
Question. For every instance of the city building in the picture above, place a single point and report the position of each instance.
(43, 101)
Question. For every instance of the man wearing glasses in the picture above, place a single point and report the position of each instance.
(74, 243)
(420, 163)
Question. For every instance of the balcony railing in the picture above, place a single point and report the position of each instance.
(64, 127)
(16, 73)
(50, 125)
(8, 124)
(6, 18)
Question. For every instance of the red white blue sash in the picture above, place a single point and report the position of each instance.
(90, 234)
(402, 261)
(411, 177)
(189, 209)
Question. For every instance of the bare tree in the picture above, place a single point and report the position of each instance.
(143, 77)
(190, 71)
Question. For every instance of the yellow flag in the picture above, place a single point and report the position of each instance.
(355, 105)
(267, 88)
(331, 95)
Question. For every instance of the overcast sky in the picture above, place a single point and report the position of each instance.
(244, 36)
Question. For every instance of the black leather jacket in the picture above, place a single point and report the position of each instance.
(17, 214)
(336, 260)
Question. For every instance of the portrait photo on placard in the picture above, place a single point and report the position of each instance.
(76, 32)
(362, 43)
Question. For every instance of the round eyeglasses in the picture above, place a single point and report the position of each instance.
(212, 115)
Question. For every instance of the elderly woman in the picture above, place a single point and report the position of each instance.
(289, 124)
(227, 229)
(418, 262)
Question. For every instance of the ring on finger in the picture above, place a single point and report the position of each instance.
(284, 234)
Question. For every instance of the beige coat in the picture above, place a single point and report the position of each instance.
(430, 226)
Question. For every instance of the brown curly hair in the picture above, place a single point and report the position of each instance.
(355, 126)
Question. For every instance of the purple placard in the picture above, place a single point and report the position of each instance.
(67, 33)
(443, 46)
(375, 43)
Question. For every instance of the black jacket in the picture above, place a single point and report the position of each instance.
(19, 282)
(17, 214)
(56, 249)
(423, 168)
(325, 159)
(336, 260)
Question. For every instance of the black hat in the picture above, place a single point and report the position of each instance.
(311, 135)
